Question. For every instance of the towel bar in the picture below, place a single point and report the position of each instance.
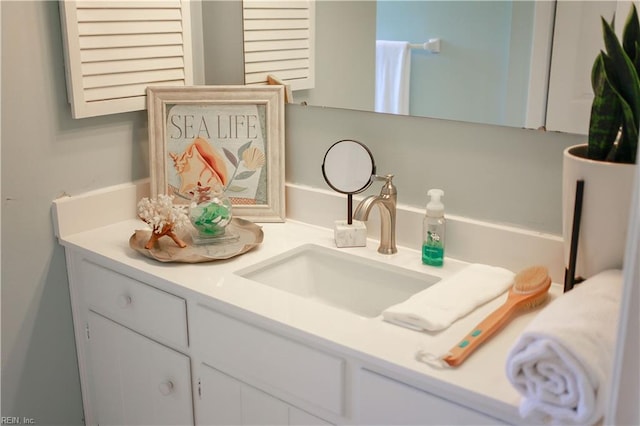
(432, 46)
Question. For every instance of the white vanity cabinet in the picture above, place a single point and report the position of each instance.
(150, 356)
(198, 345)
(130, 339)
(238, 355)
(135, 359)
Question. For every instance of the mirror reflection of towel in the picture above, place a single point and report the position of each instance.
(393, 67)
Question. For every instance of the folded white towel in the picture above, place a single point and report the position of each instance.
(562, 360)
(393, 75)
(440, 305)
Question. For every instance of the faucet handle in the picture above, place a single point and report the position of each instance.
(379, 177)
(388, 188)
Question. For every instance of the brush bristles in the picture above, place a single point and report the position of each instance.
(536, 301)
(530, 280)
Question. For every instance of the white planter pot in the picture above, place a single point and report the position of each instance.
(605, 210)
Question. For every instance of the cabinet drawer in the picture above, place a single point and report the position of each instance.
(385, 401)
(129, 302)
(267, 360)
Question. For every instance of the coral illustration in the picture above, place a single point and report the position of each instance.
(163, 217)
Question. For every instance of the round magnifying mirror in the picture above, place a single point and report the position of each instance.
(347, 167)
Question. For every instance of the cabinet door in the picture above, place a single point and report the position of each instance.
(227, 401)
(134, 380)
(384, 401)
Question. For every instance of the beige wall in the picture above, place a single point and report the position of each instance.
(499, 174)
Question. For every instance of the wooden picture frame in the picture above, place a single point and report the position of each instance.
(233, 135)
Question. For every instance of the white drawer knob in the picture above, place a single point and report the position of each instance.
(166, 388)
(124, 301)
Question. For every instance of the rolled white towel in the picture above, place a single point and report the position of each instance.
(438, 306)
(561, 362)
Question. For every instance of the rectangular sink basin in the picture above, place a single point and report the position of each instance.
(359, 285)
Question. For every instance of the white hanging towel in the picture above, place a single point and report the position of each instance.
(393, 74)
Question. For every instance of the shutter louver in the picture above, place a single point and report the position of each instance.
(279, 40)
(115, 49)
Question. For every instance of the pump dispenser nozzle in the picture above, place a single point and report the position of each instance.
(435, 208)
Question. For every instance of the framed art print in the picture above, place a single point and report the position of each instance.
(232, 136)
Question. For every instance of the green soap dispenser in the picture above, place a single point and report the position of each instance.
(433, 228)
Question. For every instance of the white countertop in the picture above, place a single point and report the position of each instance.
(480, 382)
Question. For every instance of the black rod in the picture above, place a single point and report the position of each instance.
(349, 209)
(570, 273)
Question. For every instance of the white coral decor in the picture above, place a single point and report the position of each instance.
(158, 212)
(163, 217)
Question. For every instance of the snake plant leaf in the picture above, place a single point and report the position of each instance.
(606, 114)
(597, 73)
(615, 112)
(636, 59)
(621, 72)
(626, 147)
(631, 33)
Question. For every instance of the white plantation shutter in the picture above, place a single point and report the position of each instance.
(279, 40)
(116, 48)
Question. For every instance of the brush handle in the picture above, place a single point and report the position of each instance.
(481, 332)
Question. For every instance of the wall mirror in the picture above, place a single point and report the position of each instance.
(492, 67)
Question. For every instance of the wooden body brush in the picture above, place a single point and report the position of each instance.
(529, 289)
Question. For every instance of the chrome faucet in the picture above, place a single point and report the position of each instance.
(386, 201)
